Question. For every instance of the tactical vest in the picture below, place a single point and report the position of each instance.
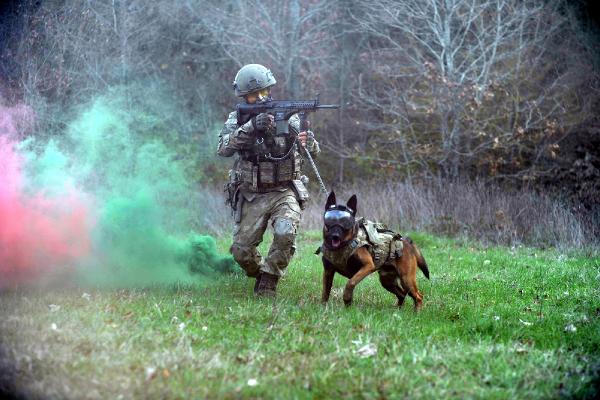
(384, 245)
(273, 161)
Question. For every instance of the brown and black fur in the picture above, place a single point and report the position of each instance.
(399, 278)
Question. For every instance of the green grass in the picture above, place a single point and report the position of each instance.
(492, 326)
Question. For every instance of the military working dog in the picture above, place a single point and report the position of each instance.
(355, 248)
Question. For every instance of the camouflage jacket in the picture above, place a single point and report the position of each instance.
(264, 162)
(234, 139)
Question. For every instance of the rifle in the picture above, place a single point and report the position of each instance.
(282, 110)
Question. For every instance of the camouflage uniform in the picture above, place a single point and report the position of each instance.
(265, 185)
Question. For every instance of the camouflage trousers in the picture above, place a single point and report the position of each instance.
(282, 210)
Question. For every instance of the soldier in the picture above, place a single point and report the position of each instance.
(265, 183)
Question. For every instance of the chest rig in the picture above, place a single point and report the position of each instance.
(383, 244)
(271, 162)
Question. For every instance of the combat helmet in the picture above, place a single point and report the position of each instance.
(252, 77)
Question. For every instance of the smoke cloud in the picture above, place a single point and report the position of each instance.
(107, 201)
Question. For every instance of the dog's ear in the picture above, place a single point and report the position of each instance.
(330, 200)
(352, 204)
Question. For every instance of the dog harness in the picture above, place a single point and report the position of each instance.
(384, 245)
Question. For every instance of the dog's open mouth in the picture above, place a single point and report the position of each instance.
(335, 242)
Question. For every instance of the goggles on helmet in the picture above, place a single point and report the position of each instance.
(341, 218)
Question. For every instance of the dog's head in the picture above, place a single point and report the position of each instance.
(339, 222)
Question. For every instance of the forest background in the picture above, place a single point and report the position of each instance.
(474, 119)
(487, 110)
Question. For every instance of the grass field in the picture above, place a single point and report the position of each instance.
(496, 323)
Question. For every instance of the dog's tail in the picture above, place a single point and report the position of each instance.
(421, 263)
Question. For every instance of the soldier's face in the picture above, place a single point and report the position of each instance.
(258, 96)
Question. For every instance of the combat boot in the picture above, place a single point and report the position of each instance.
(267, 285)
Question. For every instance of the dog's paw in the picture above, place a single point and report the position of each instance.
(347, 298)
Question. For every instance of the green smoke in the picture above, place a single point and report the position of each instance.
(137, 249)
(48, 170)
(145, 203)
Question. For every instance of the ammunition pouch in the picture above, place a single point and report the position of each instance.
(265, 175)
(301, 192)
(233, 197)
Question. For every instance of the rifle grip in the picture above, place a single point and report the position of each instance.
(282, 127)
(304, 122)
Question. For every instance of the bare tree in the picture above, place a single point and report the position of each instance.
(287, 36)
(434, 87)
(455, 79)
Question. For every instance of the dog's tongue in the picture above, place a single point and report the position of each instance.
(335, 242)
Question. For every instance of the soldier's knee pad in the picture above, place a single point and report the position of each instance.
(284, 232)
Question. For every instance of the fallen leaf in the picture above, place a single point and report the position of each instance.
(150, 373)
(520, 350)
(367, 350)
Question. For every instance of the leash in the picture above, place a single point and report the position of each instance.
(311, 161)
(316, 171)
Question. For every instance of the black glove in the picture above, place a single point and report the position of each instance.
(263, 122)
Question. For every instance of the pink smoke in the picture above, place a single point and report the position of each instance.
(38, 233)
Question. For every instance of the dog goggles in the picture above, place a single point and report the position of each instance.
(338, 218)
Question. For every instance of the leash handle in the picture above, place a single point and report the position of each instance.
(304, 125)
